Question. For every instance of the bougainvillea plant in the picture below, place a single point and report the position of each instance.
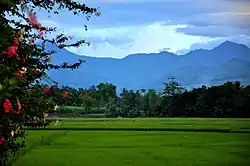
(23, 63)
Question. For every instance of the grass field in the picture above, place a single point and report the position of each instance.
(138, 147)
(73, 109)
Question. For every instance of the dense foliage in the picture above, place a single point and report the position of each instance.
(227, 100)
(24, 62)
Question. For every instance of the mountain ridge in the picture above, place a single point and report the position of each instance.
(141, 70)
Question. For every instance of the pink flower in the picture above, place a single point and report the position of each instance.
(88, 43)
(19, 106)
(32, 19)
(39, 26)
(40, 34)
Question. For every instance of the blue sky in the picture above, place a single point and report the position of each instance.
(147, 26)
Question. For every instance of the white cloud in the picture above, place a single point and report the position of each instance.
(144, 39)
(120, 30)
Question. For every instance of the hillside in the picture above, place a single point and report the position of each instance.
(228, 61)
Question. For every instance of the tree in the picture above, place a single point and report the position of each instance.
(172, 87)
(107, 92)
(24, 63)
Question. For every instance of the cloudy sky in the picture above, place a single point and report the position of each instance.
(147, 26)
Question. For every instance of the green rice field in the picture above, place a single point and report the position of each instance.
(139, 141)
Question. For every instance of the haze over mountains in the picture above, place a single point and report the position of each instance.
(227, 62)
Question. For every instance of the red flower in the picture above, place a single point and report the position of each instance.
(7, 106)
(15, 42)
(32, 19)
(2, 140)
(19, 75)
(47, 89)
(12, 51)
(65, 94)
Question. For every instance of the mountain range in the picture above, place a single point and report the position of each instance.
(227, 62)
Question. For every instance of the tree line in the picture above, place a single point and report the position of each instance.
(230, 99)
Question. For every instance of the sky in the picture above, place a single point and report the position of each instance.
(150, 26)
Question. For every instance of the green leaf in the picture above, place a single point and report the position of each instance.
(1, 87)
(10, 88)
(4, 94)
(8, 94)
(13, 81)
(7, 2)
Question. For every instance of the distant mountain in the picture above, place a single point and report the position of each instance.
(227, 62)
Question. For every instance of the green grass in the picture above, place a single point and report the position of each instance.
(142, 148)
(157, 148)
(72, 109)
(33, 137)
(158, 123)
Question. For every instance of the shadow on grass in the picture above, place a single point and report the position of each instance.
(145, 129)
